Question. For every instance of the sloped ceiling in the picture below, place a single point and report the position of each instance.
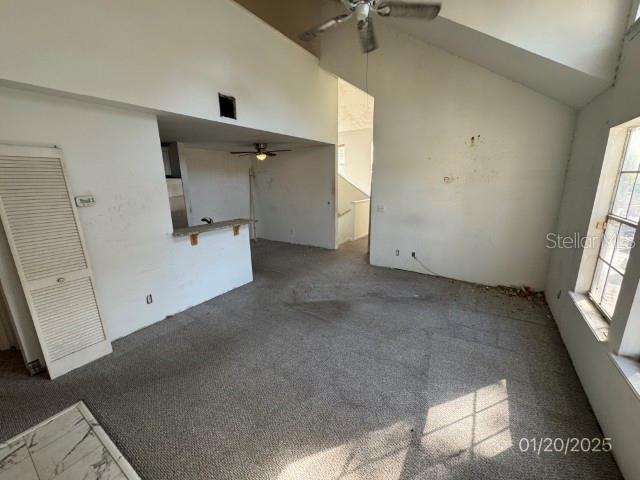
(355, 108)
(585, 35)
(291, 17)
(542, 74)
(567, 50)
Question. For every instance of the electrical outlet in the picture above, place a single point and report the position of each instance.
(397, 253)
(149, 299)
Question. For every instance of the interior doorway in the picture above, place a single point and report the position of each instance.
(354, 164)
(222, 167)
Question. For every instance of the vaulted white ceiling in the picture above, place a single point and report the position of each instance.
(566, 50)
(355, 108)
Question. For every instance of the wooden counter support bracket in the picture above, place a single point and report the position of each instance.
(193, 232)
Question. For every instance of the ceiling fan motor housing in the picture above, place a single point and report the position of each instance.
(362, 12)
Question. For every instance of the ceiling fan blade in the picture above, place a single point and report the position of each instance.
(367, 36)
(240, 153)
(348, 4)
(400, 8)
(280, 151)
(323, 27)
(271, 154)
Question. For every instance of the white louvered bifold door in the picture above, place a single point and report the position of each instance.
(41, 224)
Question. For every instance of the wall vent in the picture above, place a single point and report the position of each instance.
(227, 106)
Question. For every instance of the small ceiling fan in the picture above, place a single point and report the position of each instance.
(261, 152)
(364, 10)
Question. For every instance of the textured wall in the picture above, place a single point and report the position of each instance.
(170, 56)
(468, 165)
(612, 398)
(115, 155)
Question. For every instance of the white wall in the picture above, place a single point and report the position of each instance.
(361, 216)
(291, 17)
(16, 303)
(350, 214)
(488, 223)
(345, 227)
(583, 35)
(170, 56)
(295, 197)
(218, 184)
(347, 193)
(115, 155)
(614, 402)
(358, 157)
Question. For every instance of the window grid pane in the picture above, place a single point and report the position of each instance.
(609, 240)
(622, 199)
(611, 292)
(624, 243)
(633, 213)
(602, 270)
(618, 237)
(632, 153)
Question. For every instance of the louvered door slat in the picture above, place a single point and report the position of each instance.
(34, 216)
(41, 249)
(41, 223)
(66, 238)
(61, 311)
(27, 206)
(33, 260)
(45, 294)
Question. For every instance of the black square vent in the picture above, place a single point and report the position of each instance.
(227, 106)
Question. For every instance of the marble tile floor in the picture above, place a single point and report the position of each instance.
(68, 446)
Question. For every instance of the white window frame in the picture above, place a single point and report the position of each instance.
(622, 221)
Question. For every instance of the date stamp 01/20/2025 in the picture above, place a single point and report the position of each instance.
(565, 446)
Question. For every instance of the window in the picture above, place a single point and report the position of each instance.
(342, 152)
(620, 229)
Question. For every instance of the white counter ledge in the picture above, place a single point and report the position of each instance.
(207, 227)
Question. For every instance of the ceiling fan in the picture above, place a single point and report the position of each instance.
(364, 10)
(260, 151)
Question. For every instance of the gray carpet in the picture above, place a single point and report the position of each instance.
(327, 368)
